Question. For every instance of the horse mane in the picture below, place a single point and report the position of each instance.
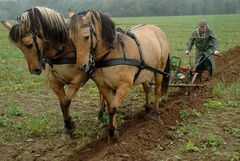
(107, 25)
(41, 19)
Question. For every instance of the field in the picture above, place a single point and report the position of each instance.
(205, 128)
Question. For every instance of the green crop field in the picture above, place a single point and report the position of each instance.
(13, 68)
(179, 28)
(29, 109)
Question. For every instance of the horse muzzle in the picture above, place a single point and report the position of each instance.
(85, 68)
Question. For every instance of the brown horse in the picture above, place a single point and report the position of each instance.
(42, 36)
(119, 61)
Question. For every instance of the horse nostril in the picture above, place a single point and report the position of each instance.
(37, 71)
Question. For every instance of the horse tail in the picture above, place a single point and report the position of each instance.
(166, 78)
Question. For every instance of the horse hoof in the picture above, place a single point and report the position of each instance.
(156, 112)
(65, 136)
(147, 108)
(70, 128)
(113, 137)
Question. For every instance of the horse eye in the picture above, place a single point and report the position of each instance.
(29, 46)
(86, 37)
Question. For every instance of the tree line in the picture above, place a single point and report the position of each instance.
(9, 9)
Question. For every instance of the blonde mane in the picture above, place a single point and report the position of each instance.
(44, 22)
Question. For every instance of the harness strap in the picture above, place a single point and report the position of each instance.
(126, 61)
(133, 36)
(131, 62)
(60, 61)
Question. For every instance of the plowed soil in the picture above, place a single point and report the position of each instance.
(141, 133)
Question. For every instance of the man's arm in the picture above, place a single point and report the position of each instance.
(190, 43)
(214, 42)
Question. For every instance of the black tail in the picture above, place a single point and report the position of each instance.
(166, 78)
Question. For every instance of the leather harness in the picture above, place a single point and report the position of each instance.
(103, 62)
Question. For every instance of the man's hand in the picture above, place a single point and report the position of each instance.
(187, 52)
(216, 53)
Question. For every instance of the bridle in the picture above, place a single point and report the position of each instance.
(42, 58)
(35, 44)
(90, 67)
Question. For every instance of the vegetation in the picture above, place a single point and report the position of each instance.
(118, 8)
(30, 110)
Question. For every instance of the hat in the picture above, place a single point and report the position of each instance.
(202, 23)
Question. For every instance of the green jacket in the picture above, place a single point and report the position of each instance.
(205, 45)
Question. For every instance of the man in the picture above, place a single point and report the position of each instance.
(206, 46)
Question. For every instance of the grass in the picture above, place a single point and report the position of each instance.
(190, 147)
(214, 140)
(179, 28)
(28, 108)
(216, 104)
(184, 114)
(14, 110)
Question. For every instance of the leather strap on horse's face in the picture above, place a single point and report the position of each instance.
(92, 53)
(36, 45)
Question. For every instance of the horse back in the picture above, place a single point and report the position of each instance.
(154, 45)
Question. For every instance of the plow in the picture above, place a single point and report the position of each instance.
(181, 76)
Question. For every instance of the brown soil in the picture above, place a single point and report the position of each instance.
(140, 132)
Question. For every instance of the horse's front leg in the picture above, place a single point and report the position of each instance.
(65, 101)
(70, 93)
(102, 108)
(120, 95)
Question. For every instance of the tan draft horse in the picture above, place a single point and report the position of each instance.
(42, 36)
(97, 42)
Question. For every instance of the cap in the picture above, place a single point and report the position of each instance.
(202, 23)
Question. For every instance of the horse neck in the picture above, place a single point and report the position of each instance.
(68, 52)
(101, 48)
(119, 51)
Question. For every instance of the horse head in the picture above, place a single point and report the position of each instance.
(91, 33)
(35, 27)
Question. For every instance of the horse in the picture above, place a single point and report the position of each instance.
(42, 36)
(116, 61)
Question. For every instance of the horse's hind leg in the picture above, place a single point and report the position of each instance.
(158, 92)
(146, 88)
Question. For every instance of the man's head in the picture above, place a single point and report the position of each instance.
(202, 26)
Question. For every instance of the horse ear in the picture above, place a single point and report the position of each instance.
(88, 15)
(7, 25)
(71, 12)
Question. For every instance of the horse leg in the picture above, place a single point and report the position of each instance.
(121, 93)
(70, 93)
(146, 88)
(158, 92)
(102, 108)
(65, 101)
